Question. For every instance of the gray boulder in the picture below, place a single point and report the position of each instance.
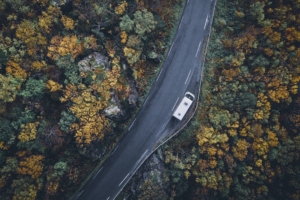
(93, 61)
(151, 176)
(134, 96)
(114, 111)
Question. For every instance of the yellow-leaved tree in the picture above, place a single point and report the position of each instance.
(32, 166)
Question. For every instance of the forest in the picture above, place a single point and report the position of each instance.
(244, 141)
(69, 66)
(72, 76)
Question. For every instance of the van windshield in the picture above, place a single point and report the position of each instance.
(190, 97)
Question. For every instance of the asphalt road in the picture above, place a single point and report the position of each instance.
(181, 72)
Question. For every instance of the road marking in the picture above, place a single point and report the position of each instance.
(108, 198)
(187, 77)
(170, 48)
(159, 74)
(162, 129)
(79, 194)
(188, 1)
(181, 21)
(97, 172)
(175, 104)
(115, 149)
(124, 179)
(205, 22)
(146, 100)
(137, 163)
(131, 124)
(198, 49)
(143, 156)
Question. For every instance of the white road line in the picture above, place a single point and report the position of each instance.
(159, 74)
(187, 77)
(170, 48)
(115, 149)
(143, 156)
(146, 100)
(206, 21)
(198, 49)
(108, 198)
(175, 104)
(181, 21)
(124, 179)
(97, 172)
(131, 124)
(137, 163)
(188, 1)
(162, 129)
(79, 194)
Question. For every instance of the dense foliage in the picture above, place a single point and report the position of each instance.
(243, 142)
(54, 126)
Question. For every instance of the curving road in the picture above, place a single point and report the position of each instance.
(181, 72)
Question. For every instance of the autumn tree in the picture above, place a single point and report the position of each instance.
(28, 32)
(15, 70)
(32, 166)
(68, 22)
(48, 17)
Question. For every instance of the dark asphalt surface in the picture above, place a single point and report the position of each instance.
(180, 72)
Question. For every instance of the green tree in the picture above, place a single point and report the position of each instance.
(32, 145)
(144, 22)
(67, 118)
(7, 134)
(9, 87)
(246, 100)
(19, 6)
(33, 89)
(3, 58)
(126, 23)
(70, 68)
(219, 117)
(60, 168)
(260, 61)
(22, 118)
(272, 154)
(11, 165)
(257, 11)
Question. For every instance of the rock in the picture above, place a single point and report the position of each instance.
(134, 96)
(98, 61)
(93, 61)
(114, 110)
(152, 174)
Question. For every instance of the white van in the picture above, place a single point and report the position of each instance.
(184, 105)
